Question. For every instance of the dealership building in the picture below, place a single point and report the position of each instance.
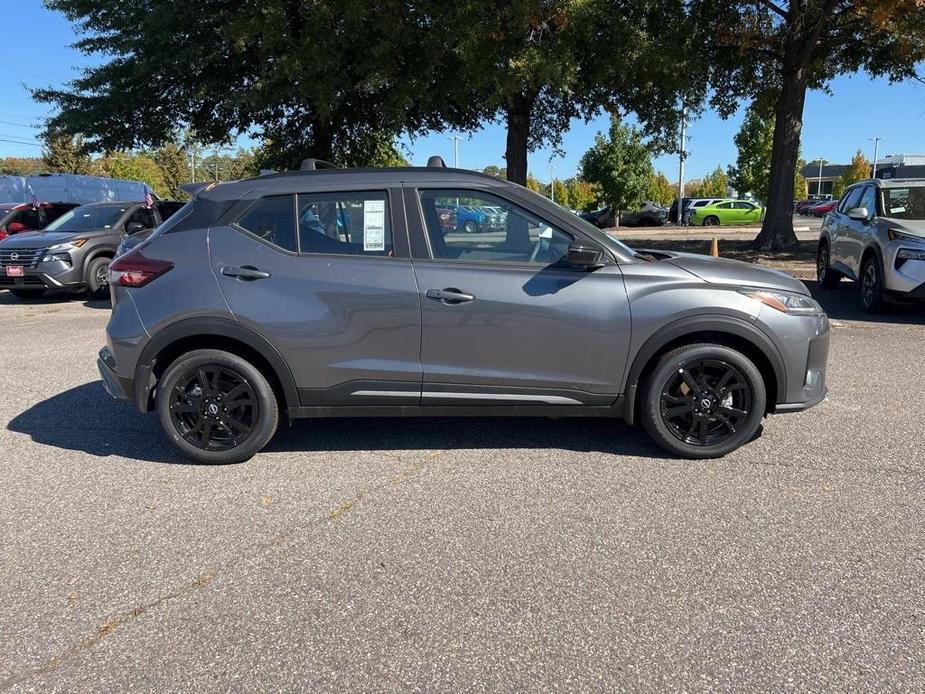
(821, 182)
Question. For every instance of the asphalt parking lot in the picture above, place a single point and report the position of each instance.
(460, 554)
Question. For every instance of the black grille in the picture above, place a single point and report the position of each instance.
(28, 280)
(27, 257)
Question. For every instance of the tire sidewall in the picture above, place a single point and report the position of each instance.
(94, 289)
(667, 367)
(877, 302)
(266, 399)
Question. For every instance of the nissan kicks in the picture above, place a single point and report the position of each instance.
(332, 293)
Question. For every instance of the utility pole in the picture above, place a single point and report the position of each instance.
(876, 141)
(682, 157)
(819, 182)
(455, 139)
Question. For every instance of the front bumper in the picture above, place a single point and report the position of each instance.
(57, 275)
(804, 344)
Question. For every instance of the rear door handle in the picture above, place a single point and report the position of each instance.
(245, 272)
(449, 295)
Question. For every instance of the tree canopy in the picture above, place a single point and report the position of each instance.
(859, 169)
(620, 164)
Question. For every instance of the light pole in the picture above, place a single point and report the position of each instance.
(682, 156)
(552, 182)
(876, 141)
(819, 182)
(455, 139)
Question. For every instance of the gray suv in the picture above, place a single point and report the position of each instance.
(330, 293)
(876, 237)
(73, 253)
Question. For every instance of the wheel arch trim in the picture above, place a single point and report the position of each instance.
(210, 327)
(734, 327)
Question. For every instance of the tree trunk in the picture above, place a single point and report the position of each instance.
(322, 140)
(777, 231)
(518, 132)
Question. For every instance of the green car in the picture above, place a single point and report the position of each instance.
(727, 212)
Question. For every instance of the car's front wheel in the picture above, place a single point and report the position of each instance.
(470, 227)
(703, 401)
(98, 278)
(216, 407)
(872, 296)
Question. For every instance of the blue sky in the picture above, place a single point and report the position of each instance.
(834, 125)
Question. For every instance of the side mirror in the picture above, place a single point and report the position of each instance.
(16, 227)
(134, 228)
(858, 213)
(585, 255)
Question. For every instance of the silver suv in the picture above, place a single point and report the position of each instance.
(876, 236)
(329, 292)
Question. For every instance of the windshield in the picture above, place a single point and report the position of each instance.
(87, 218)
(904, 203)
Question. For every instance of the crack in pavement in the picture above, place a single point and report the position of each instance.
(113, 624)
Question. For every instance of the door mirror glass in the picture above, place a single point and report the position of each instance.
(134, 228)
(858, 213)
(585, 255)
(16, 227)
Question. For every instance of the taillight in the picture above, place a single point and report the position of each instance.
(135, 269)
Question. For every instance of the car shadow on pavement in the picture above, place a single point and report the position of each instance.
(51, 299)
(117, 429)
(843, 303)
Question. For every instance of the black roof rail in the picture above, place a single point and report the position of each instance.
(313, 164)
(436, 162)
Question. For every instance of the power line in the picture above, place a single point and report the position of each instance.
(19, 125)
(25, 144)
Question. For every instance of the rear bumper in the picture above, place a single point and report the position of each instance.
(117, 386)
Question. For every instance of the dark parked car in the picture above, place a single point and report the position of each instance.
(234, 314)
(72, 253)
(650, 214)
(673, 210)
(17, 217)
(603, 218)
(165, 208)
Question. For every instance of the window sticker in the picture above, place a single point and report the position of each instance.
(374, 225)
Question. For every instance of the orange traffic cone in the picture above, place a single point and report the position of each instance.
(714, 248)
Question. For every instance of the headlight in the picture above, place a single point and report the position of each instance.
(54, 257)
(897, 235)
(69, 246)
(785, 302)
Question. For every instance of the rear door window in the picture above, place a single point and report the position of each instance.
(348, 223)
(273, 220)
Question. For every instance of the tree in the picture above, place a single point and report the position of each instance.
(714, 185)
(582, 195)
(132, 167)
(755, 139)
(620, 164)
(859, 169)
(20, 166)
(560, 193)
(173, 163)
(492, 170)
(65, 153)
(534, 184)
(660, 189)
(773, 51)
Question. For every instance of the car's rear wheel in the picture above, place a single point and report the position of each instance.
(711, 221)
(703, 401)
(470, 227)
(98, 278)
(825, 275)
(871, 286)
(216, 407)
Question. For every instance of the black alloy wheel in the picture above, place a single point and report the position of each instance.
(214, 407)
(711, 221)
(705, 402)
(825, 275)
(702, 400)
(872, 294)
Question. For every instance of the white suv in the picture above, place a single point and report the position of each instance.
(876, 237)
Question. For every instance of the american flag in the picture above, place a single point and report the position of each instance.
(149, 199)
(33, 200)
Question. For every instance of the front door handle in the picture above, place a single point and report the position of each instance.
(245, 272)
(450, 295)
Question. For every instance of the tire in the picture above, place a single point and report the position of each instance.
(825, 275)
(98, 278)
(27, 293)
(692, 409)
(194, 402)
(870, 284)
(470, 227)
(711, 221)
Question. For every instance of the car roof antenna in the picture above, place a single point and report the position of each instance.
(436, 162)
(313, 164)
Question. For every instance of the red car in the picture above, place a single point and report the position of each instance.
(823, 209)
(16, 217)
